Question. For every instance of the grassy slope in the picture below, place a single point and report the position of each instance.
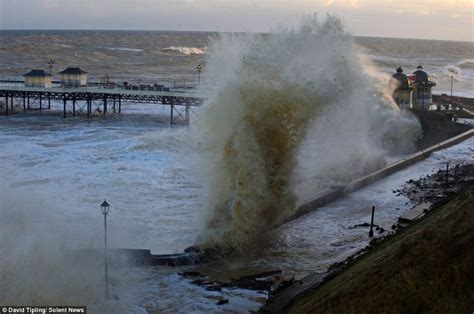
(427, 267)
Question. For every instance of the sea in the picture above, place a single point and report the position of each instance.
(159, 179)
(172, 57)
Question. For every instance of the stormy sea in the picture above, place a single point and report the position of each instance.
(289, 113)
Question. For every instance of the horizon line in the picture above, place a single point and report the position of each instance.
(209, 31)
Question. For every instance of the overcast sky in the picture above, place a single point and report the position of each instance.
(430, 19)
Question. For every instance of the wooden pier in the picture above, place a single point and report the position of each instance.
(91, 101)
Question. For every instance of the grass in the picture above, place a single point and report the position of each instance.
(426, 268)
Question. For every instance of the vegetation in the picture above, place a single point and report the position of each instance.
(426, 268)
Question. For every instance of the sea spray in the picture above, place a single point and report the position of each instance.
(281, 97)
(37, 262)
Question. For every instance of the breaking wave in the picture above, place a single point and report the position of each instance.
(186, 50)
(124, 49)
(444, 74)
(294, 112)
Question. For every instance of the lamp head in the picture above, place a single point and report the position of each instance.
(105, 207)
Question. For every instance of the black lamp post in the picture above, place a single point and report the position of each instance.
(51, 63)
(105, 207)
(451, 100)
(199, 69)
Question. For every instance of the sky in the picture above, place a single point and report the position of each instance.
(425, 19)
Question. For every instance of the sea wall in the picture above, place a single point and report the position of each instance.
(327, 196)
(464, 100)
(437, 127)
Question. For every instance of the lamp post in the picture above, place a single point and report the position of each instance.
(451, 100)
(105, 207)
(51, 63)
(199, 69)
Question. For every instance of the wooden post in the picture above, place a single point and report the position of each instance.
(120, 103)
(371, 232)
(113, 107)
(49, 100)
(447, 174)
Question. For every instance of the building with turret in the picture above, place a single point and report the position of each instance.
(402, 89)
(38, 78)
(422, 85)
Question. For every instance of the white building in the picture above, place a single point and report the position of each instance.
(38, 78)
(73, 77)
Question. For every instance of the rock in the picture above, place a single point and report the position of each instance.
(222, 302)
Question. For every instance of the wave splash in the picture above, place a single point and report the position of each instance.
(290, 107)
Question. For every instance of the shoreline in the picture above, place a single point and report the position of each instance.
(426, 189)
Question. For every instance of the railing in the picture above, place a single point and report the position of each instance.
(125, 84)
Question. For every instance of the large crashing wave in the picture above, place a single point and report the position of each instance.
(293, 112)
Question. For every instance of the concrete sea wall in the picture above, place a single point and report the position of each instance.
(437, 127)
(326, 196)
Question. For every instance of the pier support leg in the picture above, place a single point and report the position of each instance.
(105, 105)
(24, 102)
(89, 106)
(49, 100)
(120, 104)
(6, 103)
(171, 114)
(113, 107)
(74, 106)
(187, 113)
(41, 102)
(11, 102)
(64, 101)
(28, 100)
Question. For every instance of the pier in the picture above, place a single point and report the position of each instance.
(95, 100)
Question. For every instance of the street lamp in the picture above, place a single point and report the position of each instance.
(51, 63)
(105, 207)
(199, 69)
(451, 100)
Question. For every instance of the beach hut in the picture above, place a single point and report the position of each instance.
(403, 91)
(38, 78)
(73, 77)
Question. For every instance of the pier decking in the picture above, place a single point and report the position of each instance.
(97, 100)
